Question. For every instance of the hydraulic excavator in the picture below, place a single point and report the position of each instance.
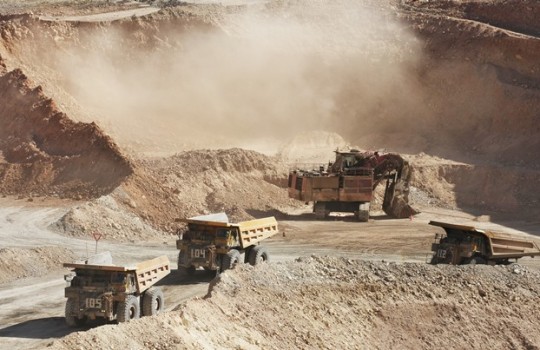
(348, 184)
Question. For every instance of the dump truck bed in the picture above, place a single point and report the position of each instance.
(501, 245)
(96, 267)
(147, 273)
(251, 231)
(254, 231)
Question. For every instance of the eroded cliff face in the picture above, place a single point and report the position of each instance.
(480, 79)
(46, 153)
(448, 80)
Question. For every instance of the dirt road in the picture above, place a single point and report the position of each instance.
(32, 309)
(103, 17)
(31, 312)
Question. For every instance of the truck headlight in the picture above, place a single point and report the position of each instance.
(69, 277)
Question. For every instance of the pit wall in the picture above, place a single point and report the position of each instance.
(43, 152)
(503, 192)
(480, 82)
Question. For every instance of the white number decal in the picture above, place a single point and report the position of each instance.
(93, 303)
(441, 253)
(198, 253)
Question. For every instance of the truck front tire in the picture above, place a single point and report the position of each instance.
(152, 302)
(258, 255)
(230, 260)
(129, 309)
(477, 260)
(71, 312)
(186, 271)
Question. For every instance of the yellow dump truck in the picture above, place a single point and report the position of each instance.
(212, 242)
(464, 244)
(103, 290)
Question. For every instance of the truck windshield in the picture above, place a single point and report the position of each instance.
(200, 235)
(222, 233)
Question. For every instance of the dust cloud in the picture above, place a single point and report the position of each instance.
(256, 78)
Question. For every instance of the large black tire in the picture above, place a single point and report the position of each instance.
(258, 255)
(153, 302)
(186, 271)
(434, 260)
(180, 259)
(319, 208)
(129, 309)
(230, 260)
(477, 260)
(362, 214)
(71, 312)
(183, 271)
(247, 253)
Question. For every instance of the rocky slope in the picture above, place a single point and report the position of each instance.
(328, 303)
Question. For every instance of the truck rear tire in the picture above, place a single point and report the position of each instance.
(477, 260)
(72, 309)
(230, 260)
(362, 214)
(319, 208)
(129, 309)
(152, 303)
(258, 255)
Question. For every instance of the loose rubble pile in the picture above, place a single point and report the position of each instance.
(240, 182)
(18, 263)
(44, 153)
(106, 217)
(336, 303)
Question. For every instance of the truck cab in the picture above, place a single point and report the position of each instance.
(202, 244)
(460, 247)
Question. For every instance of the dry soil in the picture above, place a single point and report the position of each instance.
(120, 118)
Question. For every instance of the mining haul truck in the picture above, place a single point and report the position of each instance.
(114, 292)
(215, 244)
(469, 245)
(348, 184)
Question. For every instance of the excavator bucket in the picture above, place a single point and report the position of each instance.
(396, 195)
